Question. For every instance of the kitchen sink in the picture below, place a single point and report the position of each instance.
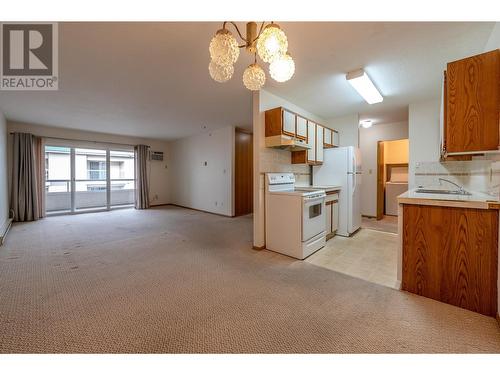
(438, 191)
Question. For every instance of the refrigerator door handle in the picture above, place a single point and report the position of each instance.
(354, 183)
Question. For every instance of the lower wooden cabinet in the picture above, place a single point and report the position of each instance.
(332, 214)
(450, 254)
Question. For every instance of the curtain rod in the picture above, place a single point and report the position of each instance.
(81, 140)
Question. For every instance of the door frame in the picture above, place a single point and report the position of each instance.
(380, 180)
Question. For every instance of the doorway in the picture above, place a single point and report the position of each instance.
(243, 173)
(392, 179)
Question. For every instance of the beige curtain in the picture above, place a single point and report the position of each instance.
(40, 174)
(141, 177)
(27, 188)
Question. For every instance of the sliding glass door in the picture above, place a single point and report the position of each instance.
(121, 167)
(88, 179)
(58, 186)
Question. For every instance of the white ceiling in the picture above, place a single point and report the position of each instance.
(151, 79)
(404, 60)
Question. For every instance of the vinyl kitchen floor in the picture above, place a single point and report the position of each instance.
(369, 255)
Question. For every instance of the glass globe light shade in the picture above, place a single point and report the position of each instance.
(282, 69)
(224, 48)
(272, 43)
(220, 73)
(254, 77)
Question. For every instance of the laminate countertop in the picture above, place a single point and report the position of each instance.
(475, 200)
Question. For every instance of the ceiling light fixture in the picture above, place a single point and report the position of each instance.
(364, 86)
(366, 124)
(269, 43)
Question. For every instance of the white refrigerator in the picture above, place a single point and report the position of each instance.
(342, 167)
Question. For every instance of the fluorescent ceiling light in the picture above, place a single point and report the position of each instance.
(364, 86)
(366, 124)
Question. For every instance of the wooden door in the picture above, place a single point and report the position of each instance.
(243, 173)
(288, 123)
(301, 128)
(451, 254)
(473, 102)
(319, 144)
(380, 180)
(311, 140)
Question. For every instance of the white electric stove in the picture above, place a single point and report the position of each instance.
(295, 219)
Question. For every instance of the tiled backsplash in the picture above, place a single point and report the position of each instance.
(276, 160)
(481, 176)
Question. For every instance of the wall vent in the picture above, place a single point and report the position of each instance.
(157, 155)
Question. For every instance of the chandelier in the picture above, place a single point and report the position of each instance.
(270, 43)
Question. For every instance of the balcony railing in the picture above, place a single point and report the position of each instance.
(58, 196)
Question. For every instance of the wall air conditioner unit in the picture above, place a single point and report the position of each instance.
(157, 155)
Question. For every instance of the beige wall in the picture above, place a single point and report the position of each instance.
(159, 192)
(368, 146)
(424, 134)
(194, 184)
(348, 128)
(396, 152)
(4, 191)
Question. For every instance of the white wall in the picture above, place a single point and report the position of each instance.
(494, 39)
(424, 134)
(348, 128)
(159, 192)
(4, 191)
(271, 160)
(196, 185)
(368, 145)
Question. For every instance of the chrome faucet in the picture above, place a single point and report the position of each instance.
(460, 188)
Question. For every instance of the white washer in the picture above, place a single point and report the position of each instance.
(392, 190)
(295, 219)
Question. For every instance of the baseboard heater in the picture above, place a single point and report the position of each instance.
(4, 230)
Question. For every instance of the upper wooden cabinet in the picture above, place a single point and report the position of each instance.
(301, 131)
(327, 138)
(314, 155)
(472, 103)
(319, 143)
(330, 138)
(336, 138)
(281, 121)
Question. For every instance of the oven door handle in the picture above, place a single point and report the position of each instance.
(313, 199)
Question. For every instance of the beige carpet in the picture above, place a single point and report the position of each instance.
(175, 280)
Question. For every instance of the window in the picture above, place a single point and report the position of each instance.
(96, 170)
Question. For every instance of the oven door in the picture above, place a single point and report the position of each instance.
(313, 217)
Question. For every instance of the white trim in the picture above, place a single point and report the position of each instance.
(4, 230)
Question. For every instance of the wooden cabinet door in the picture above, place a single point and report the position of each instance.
(335, 216)
(473, 102)
(288, 123)
(319, 144)
(301, 127)
(311, 141)
(451, 254)
(328, 215)
(335, 138)
(327, 137)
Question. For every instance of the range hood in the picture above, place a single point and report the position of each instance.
(286, 142)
